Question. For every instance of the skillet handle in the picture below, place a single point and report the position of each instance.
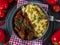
(51, 18)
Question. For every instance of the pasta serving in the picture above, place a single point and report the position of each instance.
(37, 18)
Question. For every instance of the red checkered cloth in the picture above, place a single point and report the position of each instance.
(14, 40)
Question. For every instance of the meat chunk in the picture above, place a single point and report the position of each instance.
(18, 15)
(27, 22)
(16, 29)
(21, 34)
(20, 28)
(30, 35)
(25, 15)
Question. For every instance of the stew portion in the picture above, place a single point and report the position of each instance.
(23, 26)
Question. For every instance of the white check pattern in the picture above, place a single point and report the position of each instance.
(14, 40)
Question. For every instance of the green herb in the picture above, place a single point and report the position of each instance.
(23, 24)
(38, 19)
(21, 20)
(32, 9)
(34, 18)
(29, 27)
(17, 23)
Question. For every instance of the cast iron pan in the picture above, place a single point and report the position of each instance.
(10, 18)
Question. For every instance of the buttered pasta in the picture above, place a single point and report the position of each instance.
(37, 18)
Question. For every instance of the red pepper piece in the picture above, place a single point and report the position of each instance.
(51, 2)
(56, 38)
(56, 8)
(2, 14)
(3, 4)
(2, 35)
(6, 5)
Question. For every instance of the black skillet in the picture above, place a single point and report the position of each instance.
(15, 10)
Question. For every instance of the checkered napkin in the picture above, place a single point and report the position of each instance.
(14, 40)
